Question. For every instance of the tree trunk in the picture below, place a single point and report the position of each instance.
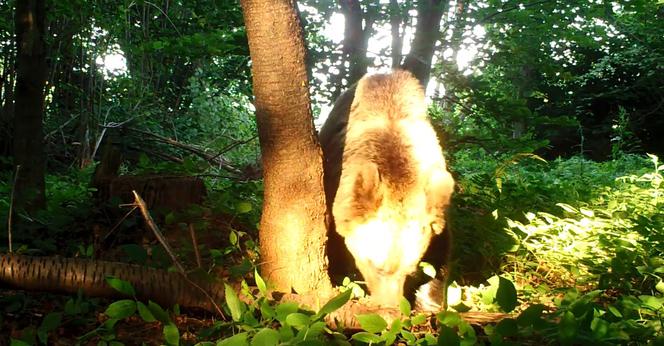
(427, 32)
(29, 111)
(396, 20)
(294, 221)
(68, 275)
(356, 38)
(7, 105)
(357, 30)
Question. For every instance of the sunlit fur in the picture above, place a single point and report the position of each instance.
(386, 175)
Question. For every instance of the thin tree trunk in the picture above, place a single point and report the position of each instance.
(357, 30)
(427, 32)
(29, 111)
(293, 229)
(7, 106)
(396, 20)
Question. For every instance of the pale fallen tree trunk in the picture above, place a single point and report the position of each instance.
(68, 275)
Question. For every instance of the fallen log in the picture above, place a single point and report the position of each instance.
(69, 275)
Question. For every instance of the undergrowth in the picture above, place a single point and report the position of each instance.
(572, 249)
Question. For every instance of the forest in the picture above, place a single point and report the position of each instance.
(161, 176)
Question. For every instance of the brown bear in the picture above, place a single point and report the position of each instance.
(386, 181)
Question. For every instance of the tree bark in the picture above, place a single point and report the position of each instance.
(294, 221)
(7, 105)
(29, 96)
(396, 20)
(427, 32)
(358, 26)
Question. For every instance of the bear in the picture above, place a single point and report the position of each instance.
(386, 182)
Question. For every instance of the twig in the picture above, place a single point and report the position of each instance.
(153, 226)
(60, 127)
(512, 8)
(140, 203)
(194, 243)
(117, 224)
(234, 144)
(11, 208)
(98, 143)
(213, 159)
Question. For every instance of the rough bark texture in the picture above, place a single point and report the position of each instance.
(68, 275)
(29, 111)
(427, 32)
(294, 221)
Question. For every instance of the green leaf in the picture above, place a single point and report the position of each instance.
(651, 302)
(567, 328)
(233, 238)
(449, 318)
(267, 311)
(390, 337)
(171, 334)
(448, 337)
(235, 340)
(265, 337)
(145, 313)
(234, 304)
(507, 327)
(408, 336)
(372, 323)
(297, 320)
(316, 329)
(121, 286)
(16, 342)
(285, 309)
(396, 326)
(334, 304)
(404, 307)
(612, 309)
(660, 286)
(531, 316)
(110, 323)
(260, 283)
(419, 319)
(506, 295)
(243, 207)
(599, 327)
(121, 309)
(367, 337)
(50, 322)
(160, 314)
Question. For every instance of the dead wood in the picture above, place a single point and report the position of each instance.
(68, 275)
(158, 191)
(216, 160)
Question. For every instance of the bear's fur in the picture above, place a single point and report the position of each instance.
(386, 178)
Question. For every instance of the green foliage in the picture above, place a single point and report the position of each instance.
(125, 308)
(68, 209)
